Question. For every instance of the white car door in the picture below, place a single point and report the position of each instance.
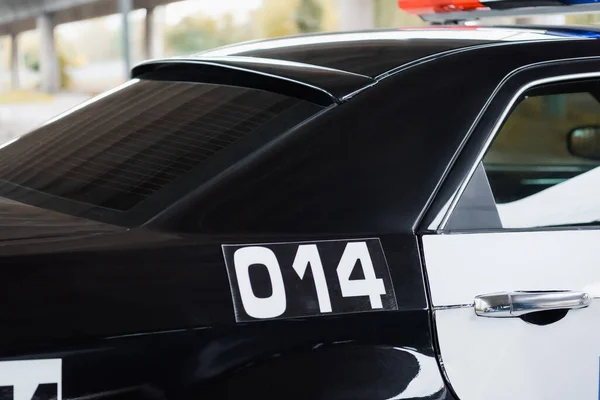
(514, 269)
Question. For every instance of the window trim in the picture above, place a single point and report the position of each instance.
(446, 212)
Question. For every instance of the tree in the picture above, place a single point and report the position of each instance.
(583, 19)
(309, 16)
(194, 34)
(275, 18)
(31, 58)
(389, 15)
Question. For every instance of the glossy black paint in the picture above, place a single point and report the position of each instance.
(372, 53)
(351, 170)
(367, 57)
(476, 207)
(149, 315)
(137, 282)
(322, 85)
(147, 312)
(353, 357)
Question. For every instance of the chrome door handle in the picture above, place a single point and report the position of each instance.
(515, 304)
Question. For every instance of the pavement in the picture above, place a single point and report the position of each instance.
(93, 77)
(19, 118)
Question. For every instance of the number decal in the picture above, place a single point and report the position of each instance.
(268, 307)
(370, 286)
(31, 379)
(309, 254)
(287, 280)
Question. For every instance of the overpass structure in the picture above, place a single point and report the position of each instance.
(17, 16)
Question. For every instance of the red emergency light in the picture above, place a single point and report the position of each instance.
(460, 11)
(439, 6)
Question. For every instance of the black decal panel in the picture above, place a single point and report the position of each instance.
(287, 280)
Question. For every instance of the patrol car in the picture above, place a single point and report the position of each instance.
(398, 214)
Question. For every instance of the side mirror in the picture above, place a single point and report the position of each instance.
(585, 142)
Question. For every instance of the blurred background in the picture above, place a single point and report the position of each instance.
(55, 54)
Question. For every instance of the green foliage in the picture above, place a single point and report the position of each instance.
(197, 33)
(275, 18)
(389, 15)
(31, 58)
(583, 19)
(309, 16)
(63, 63)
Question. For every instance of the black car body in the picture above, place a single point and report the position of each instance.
(122, 267)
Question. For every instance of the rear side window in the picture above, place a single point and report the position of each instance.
(537, 170)
(543, 167)
(122, 149)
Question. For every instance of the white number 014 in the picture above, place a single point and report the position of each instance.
(307, 256)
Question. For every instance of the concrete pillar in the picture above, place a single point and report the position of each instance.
(14, 61)
(124, 9)
(153, 33)
(50, 75)
(149, 34)
(356, 14)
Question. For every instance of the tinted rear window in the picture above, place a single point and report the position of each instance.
(123, 148)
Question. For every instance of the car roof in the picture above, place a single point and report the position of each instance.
(331, 68)
(375, 53)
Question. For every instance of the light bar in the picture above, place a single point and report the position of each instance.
(439, 6)
(464, 10)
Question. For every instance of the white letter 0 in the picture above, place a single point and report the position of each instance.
(256, 307)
